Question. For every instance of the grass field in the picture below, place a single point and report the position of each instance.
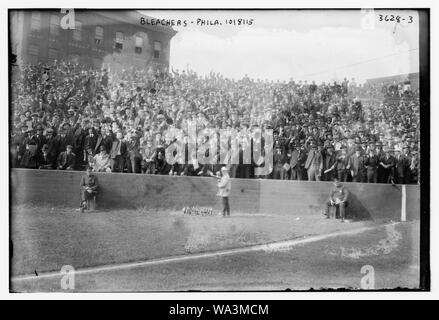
(105, 242)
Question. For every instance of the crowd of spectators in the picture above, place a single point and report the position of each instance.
(66, 116)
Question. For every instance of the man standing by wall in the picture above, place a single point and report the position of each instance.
(357, 166)
(118, 153)
(314, 163)
(224, 186)
(387, 163)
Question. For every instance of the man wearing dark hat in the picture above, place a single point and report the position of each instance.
(90, 141)
(402, 167)
(40, 138)
(414, 170)
(104, 139)
(279, 161)
(387, 163)
(62, 140)
(118, 153)
(329, 163)
(297, 161)
(407, 155)
(133, 154)
(45, 161)
(35, 120)
(380, 154)
(88, 188)
(31, 138)
(338, 198)
(52, 145)
(314, 163)
(371, 161)
(30, 156)
(19, 142)
(342, 163)
(148, 155)
(66, 159)
(357, 167)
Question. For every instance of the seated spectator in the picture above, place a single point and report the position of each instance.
(88, 188)
(102, 161)
(87, 108)
(66, 159)
(30, 156)
(338, 197)
(89, 157)
(45, 159)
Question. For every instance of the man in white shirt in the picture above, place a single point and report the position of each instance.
(224, 186)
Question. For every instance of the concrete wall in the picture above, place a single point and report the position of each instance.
(369, 201)
(413, 202)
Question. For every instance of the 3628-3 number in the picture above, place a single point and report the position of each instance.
(397, 18)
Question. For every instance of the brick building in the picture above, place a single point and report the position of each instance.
(108, 38)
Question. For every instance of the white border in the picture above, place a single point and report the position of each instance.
(4, 224)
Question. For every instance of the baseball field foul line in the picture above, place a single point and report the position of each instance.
(261, 247)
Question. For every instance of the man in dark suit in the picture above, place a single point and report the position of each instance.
(279, 161)
(52, 146)
(342, 163)
(88, 188)
(19, 145)
(66, 159)
(90, 141)
(380, 154)
(40, 138)
(371, 161)
(31, 139)
(104, 139)
(357, 167)
(133, 155)
(44, 160)
(338, 197)
(297, 162)
(314, 163)
(78, 133)
(408, 156)
(329, 164)
(402, 165)
(30, 156)
(118, 153)
(63, 140)
(387, 163)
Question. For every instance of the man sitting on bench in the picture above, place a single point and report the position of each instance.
(338, 197)
(88, 188)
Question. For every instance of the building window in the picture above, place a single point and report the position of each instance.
(118, 41)
(77, 32)
(34, 53)
(99, 35)
(54, 25)
(52, 54)
(139, 44)
(35, 22)
(157, 49)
